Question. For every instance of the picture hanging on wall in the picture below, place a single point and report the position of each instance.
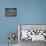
(10, 12)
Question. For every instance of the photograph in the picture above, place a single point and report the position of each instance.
(10, 11)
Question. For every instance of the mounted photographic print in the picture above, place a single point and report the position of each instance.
(10, 12)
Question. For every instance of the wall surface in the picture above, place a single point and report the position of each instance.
(28, 12)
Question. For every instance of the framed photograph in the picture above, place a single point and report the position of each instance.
(10, 12)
